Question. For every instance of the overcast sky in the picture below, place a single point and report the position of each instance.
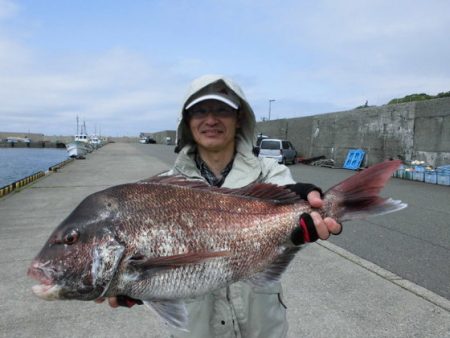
(124, 66)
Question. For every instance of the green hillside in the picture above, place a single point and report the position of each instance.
(418, 97)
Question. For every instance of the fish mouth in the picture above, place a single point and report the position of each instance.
(47, 289)
(41, 272)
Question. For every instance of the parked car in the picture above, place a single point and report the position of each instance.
(258, 142)
(281, 150)
(146, 140)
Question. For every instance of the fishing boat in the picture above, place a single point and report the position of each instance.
(80, 145)
(95, 141)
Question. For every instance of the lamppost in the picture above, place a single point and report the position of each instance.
(270, 106)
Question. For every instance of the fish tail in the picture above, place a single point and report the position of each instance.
(358, 196)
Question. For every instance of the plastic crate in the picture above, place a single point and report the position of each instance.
(408, 175)
(418, 176)
(443, 175)
(430, 176)
(443, 178)
(418, 173)
(444, 168)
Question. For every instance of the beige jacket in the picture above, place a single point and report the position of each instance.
(240, 310)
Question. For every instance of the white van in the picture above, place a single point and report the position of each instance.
(281, 150)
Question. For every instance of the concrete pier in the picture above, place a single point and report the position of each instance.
(329, 292)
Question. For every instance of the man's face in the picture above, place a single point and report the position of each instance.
(213, 125)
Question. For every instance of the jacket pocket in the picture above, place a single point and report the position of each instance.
(272, 290)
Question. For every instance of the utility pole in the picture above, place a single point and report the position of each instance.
(270, 106)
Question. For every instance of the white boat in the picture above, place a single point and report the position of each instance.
(80, 146)
(95, 141)
(77, 149)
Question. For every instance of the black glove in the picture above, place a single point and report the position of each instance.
(305, 232)
(303, 189)
(128, 301)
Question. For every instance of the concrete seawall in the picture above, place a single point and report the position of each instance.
(409, 131)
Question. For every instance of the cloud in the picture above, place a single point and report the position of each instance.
(127, 70)
(103, 89)
(388, 48)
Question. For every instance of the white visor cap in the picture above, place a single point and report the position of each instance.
(217, 97)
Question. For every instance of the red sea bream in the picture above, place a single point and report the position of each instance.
(167, 238)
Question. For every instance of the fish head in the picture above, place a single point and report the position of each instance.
(81, 256)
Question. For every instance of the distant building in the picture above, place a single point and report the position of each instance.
(21, 136)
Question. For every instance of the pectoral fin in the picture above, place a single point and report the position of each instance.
(171, 311)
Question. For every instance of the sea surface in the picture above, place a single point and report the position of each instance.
(18, 163)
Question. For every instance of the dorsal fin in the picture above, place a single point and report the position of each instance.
(264, 191)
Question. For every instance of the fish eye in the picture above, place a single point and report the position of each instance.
(71, 237)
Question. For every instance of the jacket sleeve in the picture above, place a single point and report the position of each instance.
(273, 172)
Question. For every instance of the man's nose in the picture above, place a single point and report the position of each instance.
(211, 118)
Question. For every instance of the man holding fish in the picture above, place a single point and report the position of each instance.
(205, 244)
(216, 135)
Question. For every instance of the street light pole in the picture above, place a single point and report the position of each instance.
(270, 106)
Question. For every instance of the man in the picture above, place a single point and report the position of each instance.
(215, 145)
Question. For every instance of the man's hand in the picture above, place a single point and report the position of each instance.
(312, 226)
(115, 302)
(324, 226)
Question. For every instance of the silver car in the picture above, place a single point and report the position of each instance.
(281, 150)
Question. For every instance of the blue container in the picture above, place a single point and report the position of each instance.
(443, 178)
(354, 159)
(408, 175)
(430, 176)
(418, 173)
(444, 168)
(443, 175)
(418, 176)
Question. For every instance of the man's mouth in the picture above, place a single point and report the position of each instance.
(211, 132)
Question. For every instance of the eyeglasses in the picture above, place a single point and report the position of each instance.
(198, 113)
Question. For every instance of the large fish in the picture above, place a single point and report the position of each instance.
(168, 238)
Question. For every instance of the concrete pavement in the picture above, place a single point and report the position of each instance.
(328, 291)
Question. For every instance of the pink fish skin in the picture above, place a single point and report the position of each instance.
(167, 238)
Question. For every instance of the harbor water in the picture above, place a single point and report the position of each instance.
(17, 163)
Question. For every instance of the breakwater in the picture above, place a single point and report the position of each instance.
(39, 144)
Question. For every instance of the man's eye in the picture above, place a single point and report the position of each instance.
(198, 112)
